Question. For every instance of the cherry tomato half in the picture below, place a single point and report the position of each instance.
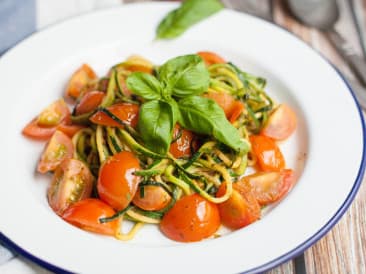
(182, 144)
(86, 214)
(44, 125)
(267, 152)
(69, 128)
(34, 131)
(269, 187)
(211, 58)
(126, 112)
(117, 183)
(281, 123)
(90, 101)
(232, 108)
(80, 78)
(241, 209)
(154, 198)
(59, 148)
(71, 182)
(191, 219)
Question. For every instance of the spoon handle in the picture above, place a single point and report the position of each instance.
(356, 62)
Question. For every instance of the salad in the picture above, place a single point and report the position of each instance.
(188, 145)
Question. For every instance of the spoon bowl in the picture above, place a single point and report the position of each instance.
(320, 14)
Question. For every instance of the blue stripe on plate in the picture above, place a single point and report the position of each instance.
(17, 21)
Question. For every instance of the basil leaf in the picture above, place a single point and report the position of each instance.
(175, 109)
(205, 116)
(189, 13)
(156, 123)
(144, 85)
(184, 75)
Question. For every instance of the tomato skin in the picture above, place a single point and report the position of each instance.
(211, 58)
(191, 219)
(126, 112)
(155, 198)
(90, 101)
(71, 182)
(34, 131)
(69, 129)
(281, 123)
(45, 124)
(117, 184)
(58, 148)
(236, 109)
(79, 79)
(182, 146)
(86, 213)
(53, 114)
(267, 152)
(241, 209)
(232, 108)
(269, 187)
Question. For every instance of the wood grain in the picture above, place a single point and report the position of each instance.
(286, 268)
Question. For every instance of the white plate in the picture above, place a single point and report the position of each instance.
(327, 150)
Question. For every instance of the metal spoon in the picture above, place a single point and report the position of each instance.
(323, 14)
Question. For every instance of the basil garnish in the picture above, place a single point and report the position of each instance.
(184, 76)
(156, 123)
(145, 85)
(203, 115)
(173, 96)
(189, 13)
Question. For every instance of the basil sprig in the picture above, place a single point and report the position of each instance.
(189, 13)
(173, 96)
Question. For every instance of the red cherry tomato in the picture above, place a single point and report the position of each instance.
(59, 148)
(117, 183)
(154, 198)
(182, 145)
(191, 219)
(232, 108)
(281, 123)
(86, 214)
(90, 101)
(71, 182)
(236, 109)
(69, 129)
(241, 209)
(34, 131)
(126, 112)
(267, 152)
(269, 187)
(79, 80)
(211, 58)
(45, 124)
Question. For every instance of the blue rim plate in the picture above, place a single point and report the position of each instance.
(329, 171)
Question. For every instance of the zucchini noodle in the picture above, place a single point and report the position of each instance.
(204, 171)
